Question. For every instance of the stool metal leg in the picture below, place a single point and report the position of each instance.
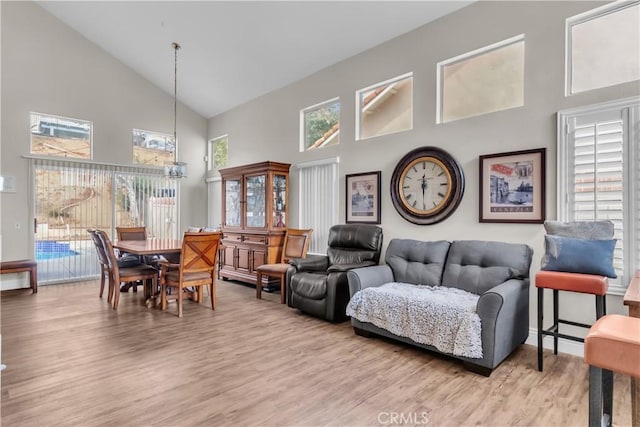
(540, 317)
(595, 396)
(556, 324)
(600, 304)
(600, 397)
(607, 396)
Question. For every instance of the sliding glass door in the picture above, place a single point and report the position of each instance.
(70, 197)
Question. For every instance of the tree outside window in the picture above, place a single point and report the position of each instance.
(321, 125)
(219, 152)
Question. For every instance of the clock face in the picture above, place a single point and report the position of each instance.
(427, 185)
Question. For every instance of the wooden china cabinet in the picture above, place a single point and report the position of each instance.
(255, 212)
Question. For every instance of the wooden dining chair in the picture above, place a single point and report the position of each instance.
(296, 245)
(196, 269)
(104, 264)
(130, 260)
(131, 233)
(143, 272)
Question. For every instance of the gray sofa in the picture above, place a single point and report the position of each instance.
(497, 272)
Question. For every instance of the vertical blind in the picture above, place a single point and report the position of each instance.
(71, 196)
(319, 201)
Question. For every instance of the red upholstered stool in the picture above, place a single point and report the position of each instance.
(571, 282)
(612, 345)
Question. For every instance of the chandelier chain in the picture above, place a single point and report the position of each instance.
(176, 46)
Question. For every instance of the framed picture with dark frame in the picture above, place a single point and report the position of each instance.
(512, 187)
(362, 192)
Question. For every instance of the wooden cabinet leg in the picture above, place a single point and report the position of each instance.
(259, 285)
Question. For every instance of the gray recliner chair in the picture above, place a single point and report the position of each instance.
(318, 285)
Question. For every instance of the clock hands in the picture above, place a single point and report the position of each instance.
(423, 184)
(414, 182)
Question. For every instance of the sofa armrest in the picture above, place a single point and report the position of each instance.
(312, 263)
(374, 276)
(346, 267)
(504, 313)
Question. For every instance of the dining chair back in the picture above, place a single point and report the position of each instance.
(127, 274)
(131, 233)
(104, 263)
(296, 244)
(135, 233)
(196, 268)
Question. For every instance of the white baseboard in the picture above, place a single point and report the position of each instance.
(564, 345)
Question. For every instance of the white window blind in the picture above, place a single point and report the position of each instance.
(214, 198)
(70, 197)
(597, 180)
(319, 201)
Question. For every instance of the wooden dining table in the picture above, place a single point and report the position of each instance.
(147, 248)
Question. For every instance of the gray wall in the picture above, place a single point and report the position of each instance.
(49, 68)
(268, 128)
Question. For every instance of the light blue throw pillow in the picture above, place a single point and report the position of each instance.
(579, 255)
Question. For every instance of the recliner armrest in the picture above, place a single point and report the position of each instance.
(346, 267)
(312, 263)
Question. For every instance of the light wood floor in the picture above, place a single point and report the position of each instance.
(72, 361)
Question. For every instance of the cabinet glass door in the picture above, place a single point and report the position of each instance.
(232, 203)
(256, 201)
(279, 200)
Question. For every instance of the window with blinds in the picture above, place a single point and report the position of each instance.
(70, 197)
(319, 201)
(598, 173)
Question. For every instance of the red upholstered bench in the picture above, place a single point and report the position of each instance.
(20, 266)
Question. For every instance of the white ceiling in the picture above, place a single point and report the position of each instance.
(233, 52)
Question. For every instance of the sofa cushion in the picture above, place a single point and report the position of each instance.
(309, 285)
(477, 266)
(592, 230)
(417, 262)
(599, 230)
(585, 256)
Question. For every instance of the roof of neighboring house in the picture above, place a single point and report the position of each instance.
(326, 138)
(378, 95)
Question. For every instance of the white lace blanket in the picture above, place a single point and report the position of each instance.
(442, 317)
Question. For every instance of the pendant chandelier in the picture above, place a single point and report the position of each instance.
(176, 169)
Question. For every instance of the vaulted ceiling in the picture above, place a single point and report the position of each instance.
(233, 52)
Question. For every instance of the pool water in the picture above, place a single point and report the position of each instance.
(51, 249)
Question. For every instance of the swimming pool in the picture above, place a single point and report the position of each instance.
(51, 249)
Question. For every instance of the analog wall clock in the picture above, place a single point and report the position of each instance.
(427, 185)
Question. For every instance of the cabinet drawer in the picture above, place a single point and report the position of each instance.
(232, 237)
(253, 238)
(247, 238)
